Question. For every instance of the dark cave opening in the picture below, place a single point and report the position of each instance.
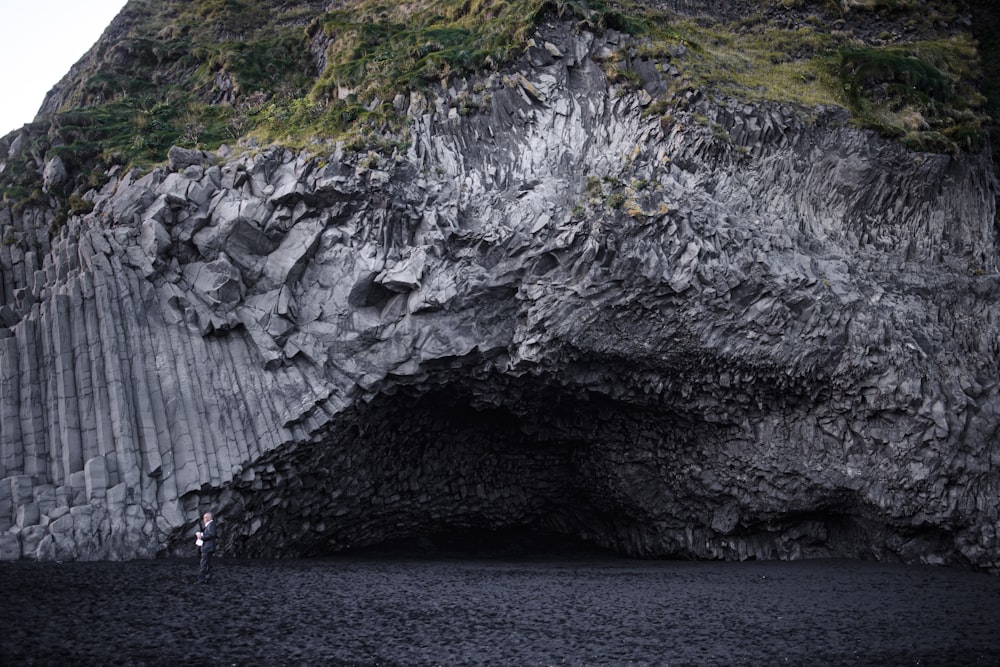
(509, 542)
(438, 470)
(510, 471)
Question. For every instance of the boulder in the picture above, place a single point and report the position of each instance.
(287, 262)
(54, 174)
(10, 546)
(218, 282)
(180, 159)
(404, 275)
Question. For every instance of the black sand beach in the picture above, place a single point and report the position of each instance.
(476, 611)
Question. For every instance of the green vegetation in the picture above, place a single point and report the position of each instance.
(923, 92)
(197, 74)
(986, 28)
(752, 61)
(80, 206)
(402, 50)
(615, 200)
(204, 72)
(920, 92)
(901, 76)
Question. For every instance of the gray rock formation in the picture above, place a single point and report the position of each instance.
(738, 331)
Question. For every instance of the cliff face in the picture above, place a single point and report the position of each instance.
(736, 331)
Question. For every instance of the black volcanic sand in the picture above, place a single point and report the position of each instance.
(585, 610)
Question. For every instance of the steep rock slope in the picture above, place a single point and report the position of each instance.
(737, 331)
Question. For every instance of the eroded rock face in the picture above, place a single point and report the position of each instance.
(737, 331)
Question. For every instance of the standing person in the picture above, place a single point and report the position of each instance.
(206, 544)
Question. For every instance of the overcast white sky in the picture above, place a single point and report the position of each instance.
(39, 41)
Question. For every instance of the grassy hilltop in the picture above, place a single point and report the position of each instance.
(199, 73)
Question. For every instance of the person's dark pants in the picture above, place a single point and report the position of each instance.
(205, 567)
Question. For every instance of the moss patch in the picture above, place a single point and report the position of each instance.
(923, 92)
(755, 62)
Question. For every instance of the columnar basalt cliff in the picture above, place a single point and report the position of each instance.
(743, 330)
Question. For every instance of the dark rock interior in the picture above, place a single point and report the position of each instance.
(562, 469)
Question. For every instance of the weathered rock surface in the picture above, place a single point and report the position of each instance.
(775, 341)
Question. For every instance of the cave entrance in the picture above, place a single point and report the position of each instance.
(509, 470)
(440, 473)
(510, 542)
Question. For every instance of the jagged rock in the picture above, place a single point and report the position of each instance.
(155, 239)
(219, 282)
(289, 193)
(10, 546)
(767, 350)
(180, 159)
(16, 146)
(128, 201)
(404, 276)
(285, 265)
(8, 316)
(54, 174)
(31, 538)
(27, 515)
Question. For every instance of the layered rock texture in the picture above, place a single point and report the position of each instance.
(738, 331)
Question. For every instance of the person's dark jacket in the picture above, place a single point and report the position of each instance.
(208, 537)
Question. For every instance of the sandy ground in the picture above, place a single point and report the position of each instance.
(480, 611)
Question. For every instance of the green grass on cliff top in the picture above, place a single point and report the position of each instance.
(200, 73)
(924, 92)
